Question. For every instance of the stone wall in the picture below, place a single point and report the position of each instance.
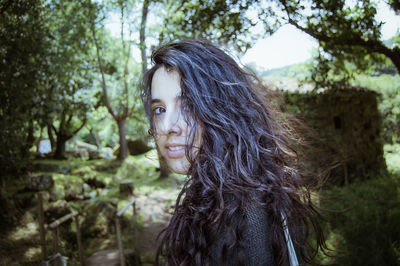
(346, 131)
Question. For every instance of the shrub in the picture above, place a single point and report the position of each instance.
(365, 217)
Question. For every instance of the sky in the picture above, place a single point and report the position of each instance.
(290, 46)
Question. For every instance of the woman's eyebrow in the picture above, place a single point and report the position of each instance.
(155, 101)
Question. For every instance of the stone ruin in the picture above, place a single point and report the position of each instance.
(345, 132)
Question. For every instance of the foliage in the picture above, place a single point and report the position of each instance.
(21, 77)
(347, 32)
(118, 73)
(389, 105)
(224, 22)
(69, 80)
(363, 221)
(21, 69)
(392, 156)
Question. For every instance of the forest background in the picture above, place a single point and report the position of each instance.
(66, 79)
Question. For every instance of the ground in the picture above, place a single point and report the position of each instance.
(154, 198)
(155, 201)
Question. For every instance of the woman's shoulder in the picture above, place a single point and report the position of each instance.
(257, 235)
(256, 239)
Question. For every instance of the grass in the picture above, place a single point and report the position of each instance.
(362, 226)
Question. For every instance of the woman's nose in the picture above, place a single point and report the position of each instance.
(173, 123)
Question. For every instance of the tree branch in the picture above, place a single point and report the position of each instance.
(145, 11)
(80, 127)
(69, 120)
(54, 129)
(127, 56)
(374, 46)
(100, 64)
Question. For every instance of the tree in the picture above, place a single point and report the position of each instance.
(120, 57)
(69, 78)
(21, 75)
(346, 31)
(223, 22)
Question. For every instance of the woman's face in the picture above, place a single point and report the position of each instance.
(170, 126)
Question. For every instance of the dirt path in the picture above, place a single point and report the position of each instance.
(155, 209)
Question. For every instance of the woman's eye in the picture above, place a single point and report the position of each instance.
(158, 110)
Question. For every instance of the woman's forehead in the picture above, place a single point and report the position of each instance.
(165, 84)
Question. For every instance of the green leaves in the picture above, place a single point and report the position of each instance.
(348, 34)
(224, 22)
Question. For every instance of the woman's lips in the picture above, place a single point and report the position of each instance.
(175, 151)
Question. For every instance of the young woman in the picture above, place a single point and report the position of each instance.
(244, 202)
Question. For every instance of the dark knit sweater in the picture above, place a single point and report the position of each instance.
(256, 235)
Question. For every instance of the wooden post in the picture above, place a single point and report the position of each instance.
(41, 227)
(54, 227)
(55, 240)
(134, 225)
(79, 240)
(119, 238)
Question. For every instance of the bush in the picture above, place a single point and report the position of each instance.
(364, 218)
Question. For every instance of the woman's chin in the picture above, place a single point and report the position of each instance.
(180, 167)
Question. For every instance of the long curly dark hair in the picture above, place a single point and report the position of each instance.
(245, 158)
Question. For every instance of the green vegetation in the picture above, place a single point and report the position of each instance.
(362, 220)
(21, 245)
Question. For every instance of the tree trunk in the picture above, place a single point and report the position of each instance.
(142, 35)
(164, 170)
(30, 138)
(396, 60)
(60, 148)
(51, 138)
(39, 139)
(123, 145)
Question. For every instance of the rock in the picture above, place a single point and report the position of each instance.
(51, 168)
(75, 197)
(93, 155)
(99, 220)
(138, 146)
(82, 154)
(56, 259)
(107, 153)
(82, 149)
(95, 183)
(83, 145)
(135, 147)
(40, 182)
(45, 167)
(66, 170)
